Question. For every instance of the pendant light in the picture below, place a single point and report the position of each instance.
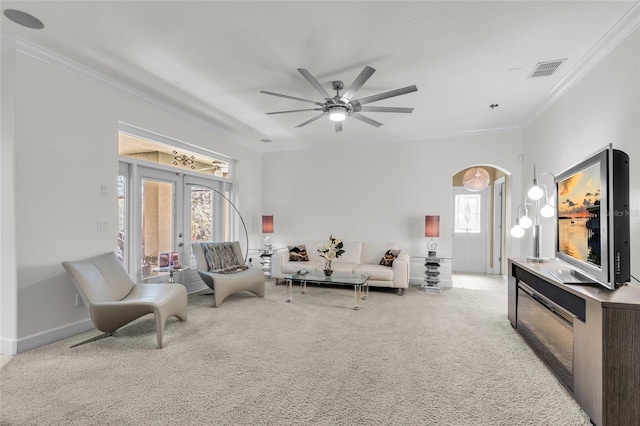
(475, 179)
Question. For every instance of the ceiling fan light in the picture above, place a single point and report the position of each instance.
(338, 113)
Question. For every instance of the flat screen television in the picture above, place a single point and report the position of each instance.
(593, 226)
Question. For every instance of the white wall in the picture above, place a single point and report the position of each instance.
(8, 290)
(602, 108)
(66, 131)
(378, 192)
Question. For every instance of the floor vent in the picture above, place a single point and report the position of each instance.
(546, 69)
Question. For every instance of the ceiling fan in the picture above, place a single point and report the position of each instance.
(342, 106)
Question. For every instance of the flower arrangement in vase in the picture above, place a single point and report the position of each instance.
(329, 251)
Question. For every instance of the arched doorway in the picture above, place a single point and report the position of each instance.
(480, 222)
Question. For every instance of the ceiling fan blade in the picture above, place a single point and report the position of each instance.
(383, 109)
(311, 120)
(311, 79)
(364, 119)
(290, 97)
(386, 95)
(293, 110)
(338, 126)
(358, 82)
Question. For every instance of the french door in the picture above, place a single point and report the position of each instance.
(161, 223)
(165, 212)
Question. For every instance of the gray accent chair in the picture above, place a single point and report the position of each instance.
(114, 300)
(223, 285)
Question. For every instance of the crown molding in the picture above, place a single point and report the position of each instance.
(418, 137)
(627, 24)
(33, 50)
(459, 133)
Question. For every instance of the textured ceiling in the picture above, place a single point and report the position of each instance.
(212, 58)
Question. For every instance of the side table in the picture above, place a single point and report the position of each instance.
(432, 282)
(171, 270)
(265, 260)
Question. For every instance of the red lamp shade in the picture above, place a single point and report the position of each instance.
(267, 224)
(432, 226)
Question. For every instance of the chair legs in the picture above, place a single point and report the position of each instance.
(162, 313)
(93, 339)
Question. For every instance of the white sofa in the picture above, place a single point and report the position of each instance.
(363, 257)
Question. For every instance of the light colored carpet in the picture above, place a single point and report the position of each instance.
(425, 359)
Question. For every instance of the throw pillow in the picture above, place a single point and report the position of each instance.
(298, 253)
(220, 255)
(389, 257)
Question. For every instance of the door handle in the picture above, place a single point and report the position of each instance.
(180, 244)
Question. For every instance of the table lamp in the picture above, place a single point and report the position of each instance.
(267, 228)
(431, 230)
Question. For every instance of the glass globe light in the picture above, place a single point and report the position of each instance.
(535, 193)
(547, 211)
(517, 231)
(525, 222)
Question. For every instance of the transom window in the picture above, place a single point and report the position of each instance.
(155, 152)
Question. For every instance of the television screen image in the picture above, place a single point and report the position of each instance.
(592, 225)
(579, 197)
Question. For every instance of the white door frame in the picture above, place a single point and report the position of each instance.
(499, 211)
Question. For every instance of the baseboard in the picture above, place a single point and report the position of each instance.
(8, 346)
(53, 335)
(11, 347)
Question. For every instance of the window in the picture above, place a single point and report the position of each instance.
(467, 213)
(166, 200)
(157, 223)
(178, 157)
(201, 214)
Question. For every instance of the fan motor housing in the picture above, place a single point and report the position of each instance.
(337, 85)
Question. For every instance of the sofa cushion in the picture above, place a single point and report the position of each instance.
(376, 272)
(389, 257)
(298, 253)
(372, 252)
(352, 252)
(342, 266)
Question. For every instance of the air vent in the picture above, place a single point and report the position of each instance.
(546, 69)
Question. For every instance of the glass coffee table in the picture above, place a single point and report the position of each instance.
(358, 281)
